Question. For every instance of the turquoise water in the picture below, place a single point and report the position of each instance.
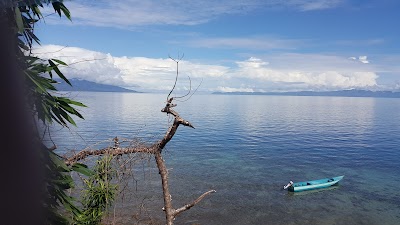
(248, 147)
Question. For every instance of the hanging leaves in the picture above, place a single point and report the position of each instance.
(60, 7)
(51, 108)
(61, 75)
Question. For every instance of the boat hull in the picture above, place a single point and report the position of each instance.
(314, 184)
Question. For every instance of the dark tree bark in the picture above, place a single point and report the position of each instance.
(21, 171)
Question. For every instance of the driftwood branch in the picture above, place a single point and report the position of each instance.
(190, 205)
(156, 150)
(170, 212)
(116, 150)
(110, 151)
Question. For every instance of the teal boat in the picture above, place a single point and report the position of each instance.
(312, 184)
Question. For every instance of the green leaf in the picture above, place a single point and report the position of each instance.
(36, 11)
(69, 101)
(58, 162)
(44, 112)
(65, 183)
(68, 108)
(27, 22)
(59, 6)
(82, 168)
(53, 118)
(65, 11)
(36, 83)
(18, 19)
(32, 36)
(61, 75)
(67, 117)
(60, 62)
(31, 59)
(57, 116)
(56, 6)
(45, 83)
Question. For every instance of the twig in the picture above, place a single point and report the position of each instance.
(192, 92)
(177, 72)
(59, 50)
(84, 60)
(190, 89)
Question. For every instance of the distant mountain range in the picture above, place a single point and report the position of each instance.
(344, 93)
(84, 85)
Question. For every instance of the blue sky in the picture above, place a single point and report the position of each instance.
(229, 45)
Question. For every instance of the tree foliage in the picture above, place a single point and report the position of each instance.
(99, 193)
(48, 108)
(58, 181)
(40, 81)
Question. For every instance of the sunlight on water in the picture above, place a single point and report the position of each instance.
(248, 147)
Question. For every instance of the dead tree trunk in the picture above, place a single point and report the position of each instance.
(170, 212)
(156, 150)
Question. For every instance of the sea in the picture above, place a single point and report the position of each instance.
(247, 148)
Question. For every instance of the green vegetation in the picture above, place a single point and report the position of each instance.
(58, 180)
(99, 193)
(39, 73)
(48, 108)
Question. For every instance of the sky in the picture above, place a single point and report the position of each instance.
(228, 45)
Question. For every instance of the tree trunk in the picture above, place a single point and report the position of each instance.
(156, 150)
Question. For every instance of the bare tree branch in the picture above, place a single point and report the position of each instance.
(156, 150)
(190, 205)
(177, 72)
(116, 150)
(190, 89)
(110, 151)
(192, 92)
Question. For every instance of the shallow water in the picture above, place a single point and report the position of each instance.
(248, 147)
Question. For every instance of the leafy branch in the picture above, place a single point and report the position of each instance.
(46, 106)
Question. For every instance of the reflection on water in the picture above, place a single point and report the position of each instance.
(248, 147)
(312, 192)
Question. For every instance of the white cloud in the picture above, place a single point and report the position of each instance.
(252, 62)
(280, 71)
(316, 76)
(308, 5)
(230, 89)
(138, 72)
(155, 73)
(253, 43)
(362, 59)
(85, 64)
(131, 13)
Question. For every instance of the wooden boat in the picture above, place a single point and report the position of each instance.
(313, 184)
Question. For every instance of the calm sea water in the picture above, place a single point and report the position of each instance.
(248, 147)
